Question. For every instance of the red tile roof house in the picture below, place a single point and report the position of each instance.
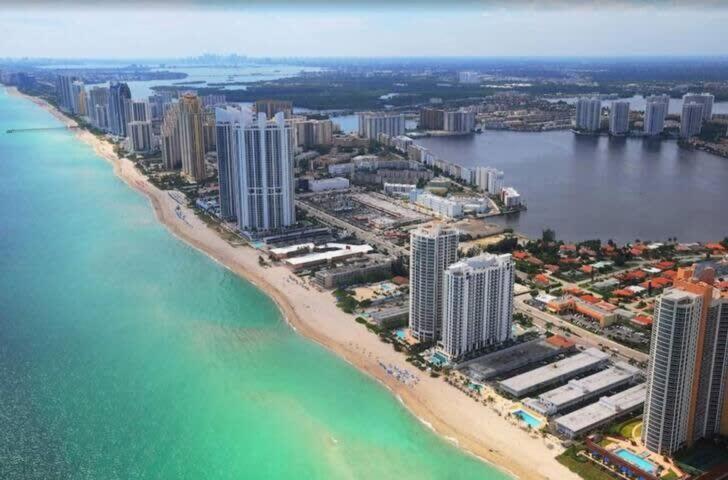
(542, 279)
(520, 255)
(665, 265)
(552, 268)
(587, 268)
(567, 248)
(642, 320)
(624, 293)
(715, 247)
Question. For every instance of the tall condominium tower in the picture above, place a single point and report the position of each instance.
(98, 104)
(432, 250)
(706, 99)
(119, 95)
(588, 114)
(309, 133)
(372, 124)
(192, 144)
(432, 119)
(64, 92)
(271, 107)
(228, 122)
(477, 304)
(619, 117)
(687, 373)
(656, 108)
(691, 120)
(78, 98)
(461, 121)
(266, 180)
(170, 138)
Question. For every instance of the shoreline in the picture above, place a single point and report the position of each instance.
(468, 425)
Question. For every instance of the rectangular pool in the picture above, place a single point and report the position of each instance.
(636, 460)
(528, 418)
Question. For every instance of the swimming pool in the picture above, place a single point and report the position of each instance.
(528, 418)
(401, 334)
(636, 460)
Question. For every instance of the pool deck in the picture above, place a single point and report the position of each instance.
(618, 443)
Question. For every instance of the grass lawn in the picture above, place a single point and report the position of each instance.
(581, 466)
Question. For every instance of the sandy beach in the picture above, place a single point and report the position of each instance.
(481, 430)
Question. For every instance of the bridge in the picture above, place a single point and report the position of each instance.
(42, 129)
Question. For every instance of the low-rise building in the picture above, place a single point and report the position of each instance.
(321, 185)
(554, 373)
(606, 410)
(369, 268)
(578, 391)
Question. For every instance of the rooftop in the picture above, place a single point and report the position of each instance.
(568, 367)
(603, 410)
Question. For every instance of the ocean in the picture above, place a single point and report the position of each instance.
(127, 354)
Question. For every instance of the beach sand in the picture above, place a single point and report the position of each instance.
(484, 431)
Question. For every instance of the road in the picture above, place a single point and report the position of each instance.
(586, 337)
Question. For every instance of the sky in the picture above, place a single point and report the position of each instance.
(374, 28)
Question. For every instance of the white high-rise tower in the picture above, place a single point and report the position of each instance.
(477, 304)
(432, 250)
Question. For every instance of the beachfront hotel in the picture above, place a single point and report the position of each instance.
(263, 169)
(687, 373)
(477, 304)
(432, 250)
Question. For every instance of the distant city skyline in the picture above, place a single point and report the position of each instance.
(319, 29)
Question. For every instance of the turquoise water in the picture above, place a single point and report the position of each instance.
(636, 460)
(125, 354)
(528, 418)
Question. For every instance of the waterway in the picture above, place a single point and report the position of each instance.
(600, 187)
(126, 354)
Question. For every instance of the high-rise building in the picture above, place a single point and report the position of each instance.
(139, 111)
(170, 138)
(271, 107)
(656, 108)
(477, 304)
(495, 181)
(619, 117)
(98, 97)
(209, 133)
(705, 99)
(691, 120)
(372, 124)
(266, 181)
(78, 93)
(192, 143)
(588, 114)
(688, 364)
(309, 133)
(140, 138)
(228, 123)
(459, 121)
(432, 119)
(468, 77)
(119, 96)
(432, 250)
(64, 92)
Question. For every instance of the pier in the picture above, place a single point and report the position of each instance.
(42, 129)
